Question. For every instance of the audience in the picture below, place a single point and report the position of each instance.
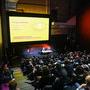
(64, 71)
(55, 71)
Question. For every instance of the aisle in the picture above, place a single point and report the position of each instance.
(21, 80)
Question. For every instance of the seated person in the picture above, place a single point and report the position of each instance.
(7, 74)
(85, 86)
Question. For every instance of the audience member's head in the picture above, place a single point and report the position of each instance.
(87, 79)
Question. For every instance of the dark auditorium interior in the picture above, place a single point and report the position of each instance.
(44, 44)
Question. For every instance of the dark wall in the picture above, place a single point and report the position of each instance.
(62, 10)
(4, 31)
(64, 42)
(59, 42)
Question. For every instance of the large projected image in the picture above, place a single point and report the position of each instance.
(24, 29)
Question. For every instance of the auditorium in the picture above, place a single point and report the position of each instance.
(44, 44)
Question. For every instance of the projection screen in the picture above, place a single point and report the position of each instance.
(28, 29)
